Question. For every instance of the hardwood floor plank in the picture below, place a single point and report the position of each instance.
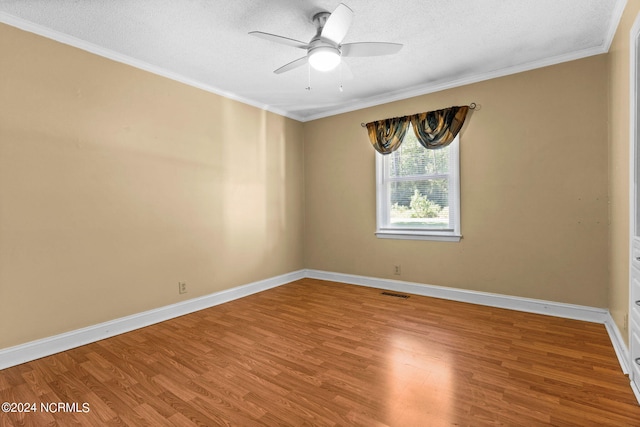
(322, 353)
(191, 412)
(151, 416)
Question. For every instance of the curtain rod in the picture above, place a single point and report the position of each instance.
(471, 106)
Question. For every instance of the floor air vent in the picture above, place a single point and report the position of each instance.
(391, 294)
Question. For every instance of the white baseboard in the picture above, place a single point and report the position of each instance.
(47, 346)
(22, 353)
(567, 311)
(619, 346)
(635, 391)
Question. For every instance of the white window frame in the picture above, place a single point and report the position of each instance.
(385, 230)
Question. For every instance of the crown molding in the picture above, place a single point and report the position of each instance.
(418, 90)
(616, 17)
(463, 81)
(72, 41)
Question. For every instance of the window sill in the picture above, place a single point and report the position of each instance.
(418, 235)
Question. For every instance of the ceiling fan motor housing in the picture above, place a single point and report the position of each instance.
(323, 54)
(325, 50)
(319, 19)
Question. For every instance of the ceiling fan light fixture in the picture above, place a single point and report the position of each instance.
(324, 58)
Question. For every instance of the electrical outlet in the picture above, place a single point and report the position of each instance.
(182, 287)
(396, 269)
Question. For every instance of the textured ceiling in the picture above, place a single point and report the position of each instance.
(205, 43)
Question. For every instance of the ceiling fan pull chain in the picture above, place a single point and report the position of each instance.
(340, 75)
(308, 76)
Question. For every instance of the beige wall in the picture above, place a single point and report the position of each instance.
(533, 193)
(115, 184)
(618, 61)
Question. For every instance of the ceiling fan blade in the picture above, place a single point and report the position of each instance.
(291, 65)
(337, 24)
(369, 49)
(280, 39)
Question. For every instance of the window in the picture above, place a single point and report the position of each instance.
(418, 192)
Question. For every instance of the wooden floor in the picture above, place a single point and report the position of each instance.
(322, 353)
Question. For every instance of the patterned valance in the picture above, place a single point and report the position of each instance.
(433, 129)
(387, 135)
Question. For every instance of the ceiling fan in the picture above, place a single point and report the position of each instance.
(325, 50)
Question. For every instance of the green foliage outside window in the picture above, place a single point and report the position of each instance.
(423, 207)
(419, 198)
